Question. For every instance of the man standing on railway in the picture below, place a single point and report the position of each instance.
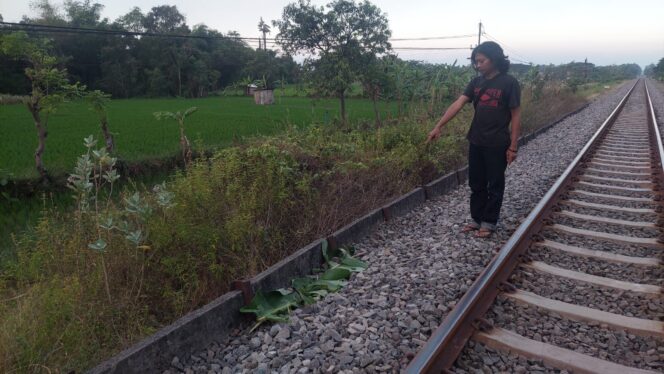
(496, 97)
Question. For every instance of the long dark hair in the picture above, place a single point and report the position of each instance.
(493, 52)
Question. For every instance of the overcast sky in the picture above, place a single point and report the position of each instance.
(604, 31)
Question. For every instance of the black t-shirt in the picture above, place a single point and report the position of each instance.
(497, 96)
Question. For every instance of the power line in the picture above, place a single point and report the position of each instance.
(272, 41)
(433, 38)
(431, 48)
(512, 50)
(84, 30)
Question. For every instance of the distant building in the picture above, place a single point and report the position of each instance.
(250, 89)
(264, 97)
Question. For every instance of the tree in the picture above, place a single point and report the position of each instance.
(376, 80)
(164, 19)
(168, 20)
(659, 70)
(345, 37)
(129, 66)
(49, 85)
(133, 21)
(649, 71)
(264, 29)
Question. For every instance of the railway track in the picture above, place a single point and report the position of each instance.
(578, 284)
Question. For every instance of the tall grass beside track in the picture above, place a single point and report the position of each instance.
(66, 307)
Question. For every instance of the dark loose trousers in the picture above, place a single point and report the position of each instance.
(486, 177)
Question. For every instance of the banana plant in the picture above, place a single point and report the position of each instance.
(275, 306)
(179, 117)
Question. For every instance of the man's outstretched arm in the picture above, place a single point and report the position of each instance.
(451, 111)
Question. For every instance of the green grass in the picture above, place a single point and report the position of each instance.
(18, 216)
(139, 136)
(594, 89)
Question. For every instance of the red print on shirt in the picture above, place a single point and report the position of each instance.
(490, 97)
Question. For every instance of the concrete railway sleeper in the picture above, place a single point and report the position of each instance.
(578, 286)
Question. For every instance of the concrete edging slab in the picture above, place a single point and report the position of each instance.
(216, 318)
(404, 204)
(356, 229)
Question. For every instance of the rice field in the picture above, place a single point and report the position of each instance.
(139, 136)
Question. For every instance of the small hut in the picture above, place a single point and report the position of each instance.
(250, 89)
(264, 97)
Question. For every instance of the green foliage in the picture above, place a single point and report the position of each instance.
(585, 72)
(132, 66)
(98, 101)
(50, 87)
(179, 117)
(655, 71)
(346, 38)
(78, 282)
(274, 306)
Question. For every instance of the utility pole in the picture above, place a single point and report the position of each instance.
(479, 34)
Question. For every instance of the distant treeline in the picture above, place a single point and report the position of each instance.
(655, 71)
(132, 66)
(128, 66)
(582, 71)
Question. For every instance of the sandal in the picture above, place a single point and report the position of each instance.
(484, 233)
(470, 227)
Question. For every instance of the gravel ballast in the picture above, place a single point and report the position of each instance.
(592, 296)
(419, 266)
(589, 339)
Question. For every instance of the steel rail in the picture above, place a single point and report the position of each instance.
(655, 126)
(449, 339)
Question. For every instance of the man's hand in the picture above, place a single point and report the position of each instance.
(511, 155)
(434, 134)
(451, 111)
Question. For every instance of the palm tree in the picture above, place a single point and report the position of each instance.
(265, 29)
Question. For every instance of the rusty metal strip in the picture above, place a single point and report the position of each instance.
(564, 359)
